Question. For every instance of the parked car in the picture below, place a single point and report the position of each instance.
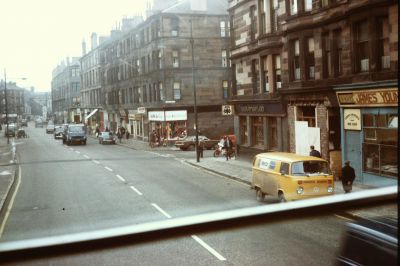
(50, 129)
(106, 137)
(24, 122)
(58, 132)
(370, 241)
(75, 133)
(188, 143)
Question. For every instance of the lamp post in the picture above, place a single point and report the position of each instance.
(194, 95)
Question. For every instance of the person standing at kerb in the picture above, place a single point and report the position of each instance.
(348, 176)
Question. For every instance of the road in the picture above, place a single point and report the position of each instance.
(67, 189)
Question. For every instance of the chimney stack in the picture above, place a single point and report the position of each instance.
(94, 40)
(83, 47)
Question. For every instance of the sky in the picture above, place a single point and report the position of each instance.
(36, 35)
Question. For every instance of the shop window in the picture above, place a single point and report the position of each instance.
(380, 144)
(243, 130)
(258, 133)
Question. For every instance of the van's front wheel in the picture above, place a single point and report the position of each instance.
(281, 197)
(260, 196)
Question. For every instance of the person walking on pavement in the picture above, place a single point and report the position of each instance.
(228, 147)
(348, 176)
(314, 152)
(152, 139)
(119, 134)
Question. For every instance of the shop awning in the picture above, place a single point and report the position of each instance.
(92, 113)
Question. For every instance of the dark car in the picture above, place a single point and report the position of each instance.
(370, 241)
(75, 133)
(188, 143)
(106, 138)
(21, 133)
(24, 122)
(58, 132)
(50, 129)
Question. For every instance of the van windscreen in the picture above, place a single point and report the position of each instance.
(310, 168)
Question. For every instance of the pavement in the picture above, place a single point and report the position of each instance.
(238, 169)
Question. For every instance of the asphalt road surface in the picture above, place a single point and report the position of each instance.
(67, 189)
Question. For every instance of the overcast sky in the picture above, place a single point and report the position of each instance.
(36, 35)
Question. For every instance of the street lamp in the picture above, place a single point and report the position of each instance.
(194, 95)
(6, 103)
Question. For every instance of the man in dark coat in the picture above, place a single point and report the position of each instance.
(348, 176)
(314, 152)
(228, 145)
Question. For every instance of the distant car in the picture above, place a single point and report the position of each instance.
(75, 133)
(50, 129)
(106, 138)
(38, 123)
(10, 132)
(188, 143)
(21, 133)
(370, 241)
(58, 132)
(24, 122)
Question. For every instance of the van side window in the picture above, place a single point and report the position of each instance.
(264, 163)
(284, 168)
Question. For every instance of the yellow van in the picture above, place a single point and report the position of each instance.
(289, 176)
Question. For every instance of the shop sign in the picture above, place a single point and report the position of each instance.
(141, 110)
(227, 109)
(352, 119)
(176, 115)
(122, 112)
(382, 97)
(270, 108)
(156, 116)
(135, 117)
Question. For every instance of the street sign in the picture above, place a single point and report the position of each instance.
(141, 110)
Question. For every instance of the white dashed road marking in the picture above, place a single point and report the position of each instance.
(121, 178)
(108, 168)
(137, 191)
(210, 249)
(78, 152)
(87, 157)
(96, 162)
(161, 210)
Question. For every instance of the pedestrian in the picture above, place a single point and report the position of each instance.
(152, 139)
(200, 148)
(107, 130)
(228, 147)
(348, 176)
(127, 134)
(97, 131)
(119, 134)
(314, 152)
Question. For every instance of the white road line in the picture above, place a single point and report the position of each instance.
(121, 178)
(108, 168)
(210, 249)
(97, 162)
(137, 191)
(78, 152)
(87, 157)
(10, 205)
(161, 210)
(71, 149)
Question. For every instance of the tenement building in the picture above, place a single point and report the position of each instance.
(149, 77)
(334, 67)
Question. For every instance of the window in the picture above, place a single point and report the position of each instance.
(293, 7)
(306, 113)
(222, 28)
(380, 144)
(177, 91)
(224, 58)
(253, 24)
(338, 55)
(310, 61)
(174, 27)
(262, 22)
(175, 58)
(362, 46)
(162, 93)
(324, 3)
(265, 73)
(255, 76)
(383, 43)
(284, 168)
(160, 54)
(295, 47)
(307, 5)
(243, 130)
(225, 89)
(327, 60)
(277, 67)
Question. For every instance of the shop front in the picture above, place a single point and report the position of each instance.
(136, 121)
(259, 126)
(169, 125)
(369, 124)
